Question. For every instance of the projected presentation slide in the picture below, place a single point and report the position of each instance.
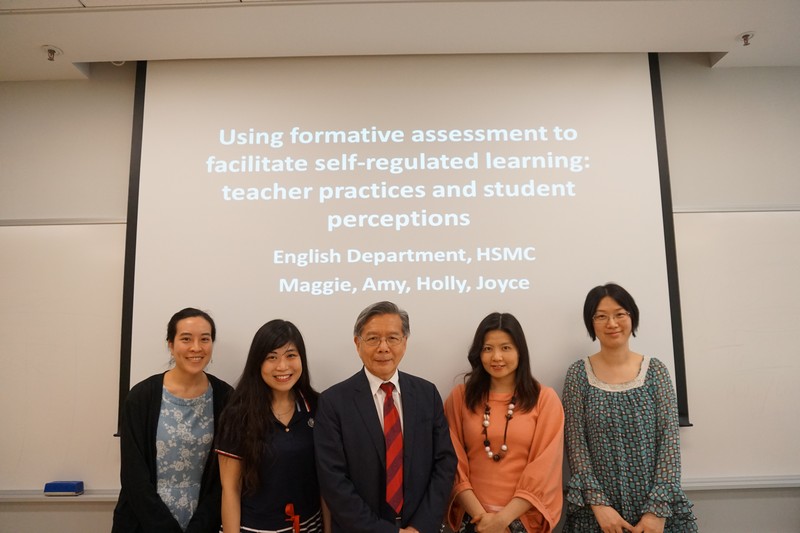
(309, 188)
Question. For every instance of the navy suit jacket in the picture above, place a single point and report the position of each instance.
(351, 457)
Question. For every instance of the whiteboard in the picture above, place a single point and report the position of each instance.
(740, 300)
(60, 315)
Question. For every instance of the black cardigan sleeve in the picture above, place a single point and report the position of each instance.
(140, 508)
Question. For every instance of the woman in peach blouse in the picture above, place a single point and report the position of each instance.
(508, 432)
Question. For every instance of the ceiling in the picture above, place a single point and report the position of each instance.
(87, 31)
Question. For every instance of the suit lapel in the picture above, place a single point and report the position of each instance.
(364, 405)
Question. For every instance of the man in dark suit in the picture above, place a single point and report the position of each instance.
(350, 445)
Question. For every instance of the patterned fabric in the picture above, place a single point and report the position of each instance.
(183, 440)
(466, 527)
(623, 448)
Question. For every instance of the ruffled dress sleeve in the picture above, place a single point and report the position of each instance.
(584, 488)
(666, 498)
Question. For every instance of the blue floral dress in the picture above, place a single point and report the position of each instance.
(183, 441)
(623, 448)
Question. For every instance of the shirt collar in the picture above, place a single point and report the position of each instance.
(375, 382)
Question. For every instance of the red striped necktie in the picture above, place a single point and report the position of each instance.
(394, 450)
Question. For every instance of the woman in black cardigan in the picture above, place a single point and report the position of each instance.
(169, 475)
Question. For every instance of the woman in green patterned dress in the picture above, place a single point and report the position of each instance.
(621, 429)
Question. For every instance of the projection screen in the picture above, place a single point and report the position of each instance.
(308, 188)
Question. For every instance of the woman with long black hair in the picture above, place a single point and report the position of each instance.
(266, 440)
(508, 433)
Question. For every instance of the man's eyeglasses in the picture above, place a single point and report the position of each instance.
(374, 340)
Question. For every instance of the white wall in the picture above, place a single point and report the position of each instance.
(737, 266)
(732, 138)
(732, 135)
(65, 147)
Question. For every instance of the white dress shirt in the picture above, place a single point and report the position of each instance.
(378, 395)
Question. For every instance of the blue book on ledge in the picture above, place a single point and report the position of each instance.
(63, 488)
